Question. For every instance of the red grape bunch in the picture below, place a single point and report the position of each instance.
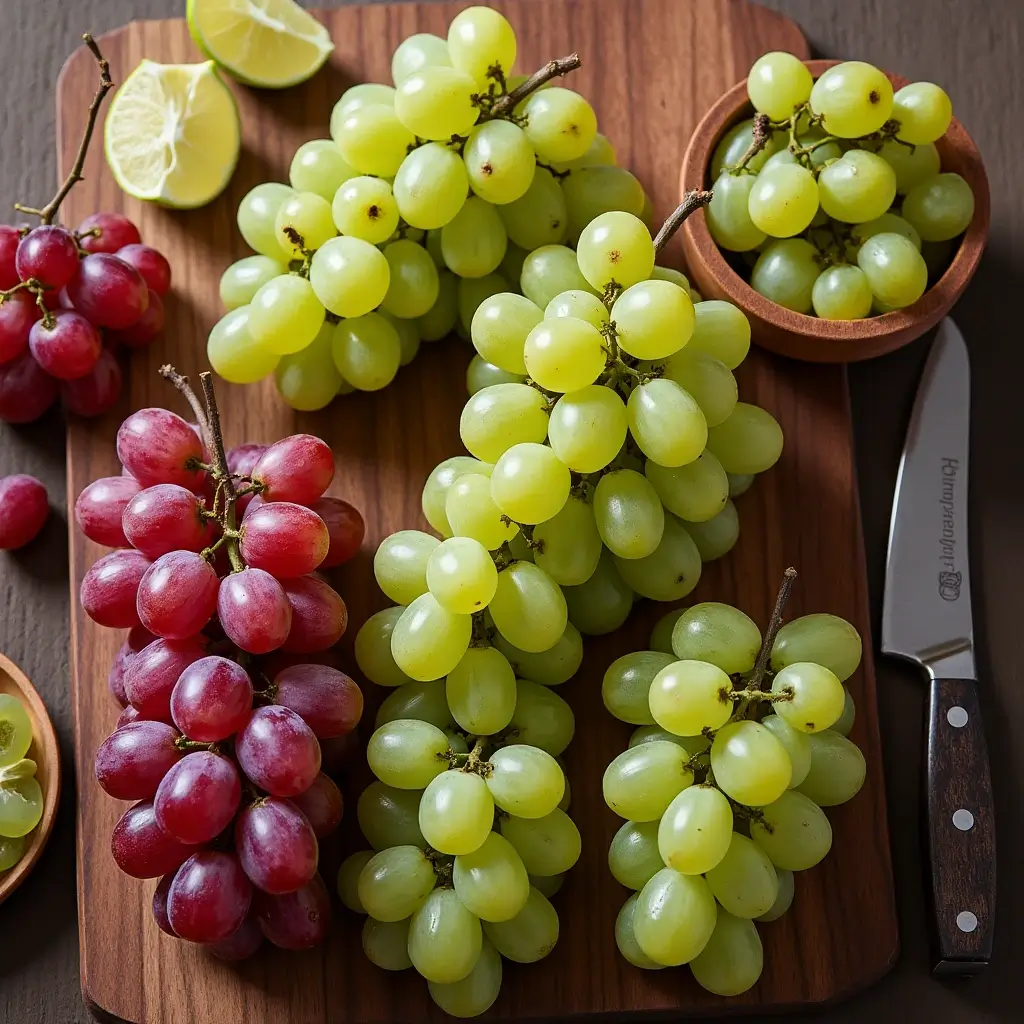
(223, 680)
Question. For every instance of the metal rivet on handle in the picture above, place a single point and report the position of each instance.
(966, 921)
(963, 819)
(957, 717)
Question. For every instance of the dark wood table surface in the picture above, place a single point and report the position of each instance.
(971, 47)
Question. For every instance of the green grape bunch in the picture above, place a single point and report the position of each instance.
(834, 193)
(740, 743)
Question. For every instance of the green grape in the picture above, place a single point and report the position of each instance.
(456, 812)
(440, 480)
(923, 111)
(539, 216)
(677, 277)
(940, 207)
(859, 186)
(784, 900)
(578, 304)
(385, 942)
(244, 278)
(739, 483)
(430, 186)
(629, 514)
(778, 82)
(587, 428)
(11, 851)
(367, 351)
(426, 702)
(356, 96)
(530, 935)
(528, 607)
(500, 162)
(564, 354)
(309, 380)
(547, 885)
(744, 881)
(348, 879)
(512, 262)
(686, 697)
(841, 292)
(603, 603)
(894, 268)
(365, 208)
(626, 940)
(854, 98)
(670, 572)
(592, 191)
(732, 960)
(414, 282)
(824, 151)
(445, 939)
(674, 917)
(500, 416)
(695, 492)
(285, 315)
(556, 665)
(721, 330)
(372, 139)
(407, 753)
(734, 144)
(695, 831)
(422, 50)
(373, 648)
(615, 247)
(318, 167)
(633, 856)
(481, 374)
(433, 241)
(395, 882)
(525, 781)
(436, 102)
(912, 164)
(440, 320)
(837, 769)
(480, 38)
(408, 336)
(549, 271)
(707, 380)
(650, 733)
(257, 213)
(661, 635)
(845, 724)
(569, 544)
(750, 764)
(390, 817)
(481, 691)
(520, 548)
(475, 993)
(349, 276)
(643, 780)
(600, 153)
(530, 484)
(560, 124)
(824, 639)
(429, 640)
(232, 351)
(800, 835)
(797, 745)
(542, 719)
(400, 564)
(500, 327)
(303, 221)
(886, 223)
(548, 845)
(666, 422)
(21, 798)
(716, 537)
(469, 511)
(719, 634)
(473, 242)
(653, 319)
(783, 200)
(491, 881)
(749, 441)
(817, 696)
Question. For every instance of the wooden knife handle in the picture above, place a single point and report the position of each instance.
(961, 829)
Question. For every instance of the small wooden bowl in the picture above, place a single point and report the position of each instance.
(46, 754)
(808, 337)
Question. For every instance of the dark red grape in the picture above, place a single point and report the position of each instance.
(26, 390)
(108, 291)
(24, 508)
(101, 505)
(243, 458)
(212, 699)
(152, 265)
(345, 527)
(322, 804)
(278, 751)
(159, 447)
(115, 679)
(150, 677)
(132, 760)
(127, 716)
(298, 468)
(115, 232)
(209, 897)
(240, 944)
(284, 539)
(319, 615)
(198, 797)
(49, 254)
(110, 587)
(160, 905)
(141, 848)
(165, 518)
(298, 920)
(276, 845)
(10, 237)
(145, 329)
(252, 502)
(68, 347)
(327, 700)
(178, 595)
(339, 753)
(138, 638)
(18, 312)
(95, 393)
(254, 611)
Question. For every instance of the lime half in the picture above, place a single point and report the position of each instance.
(267, 43)
(172, 134)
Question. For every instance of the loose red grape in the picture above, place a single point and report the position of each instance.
(178, 595)
(150, 677)
(141, 848)
(26, 390)
(132, 760)
(114, 232)
(49, 254)
(322, 804)
(298, 920)
(95, 393)
(145, 329)
(10, 237)
(278, 751)
(127, 716)
(101, 505)
(240, 944)
(152, 265)
(198, 797)
(209, 897)
(159, 447)
(68, 347)
(242, 458)
(18, 312)
(165, 518)
(297, 468)
(254, 611)
(284, 539)
(276, 845)
(108, 291)
(110, 587)
(160, 905)
(345, 527)
(327, 700)
(319, 615)
(24, 508)
(212, 699)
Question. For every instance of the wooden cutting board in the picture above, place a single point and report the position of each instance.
(651, 68)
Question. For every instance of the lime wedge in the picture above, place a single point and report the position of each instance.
(267, 43)
(172, 134)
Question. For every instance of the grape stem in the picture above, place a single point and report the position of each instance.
(774, 625)
(504, 105)
(761, 134)
(692, 201)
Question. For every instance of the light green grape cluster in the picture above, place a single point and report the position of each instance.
(21, 797)
(737, 750)
(834, 191)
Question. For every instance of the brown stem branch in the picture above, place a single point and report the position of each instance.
(504, 105)
(180, 381)
(762, 133)
(220, 461)
(774, 625)
(692, 201)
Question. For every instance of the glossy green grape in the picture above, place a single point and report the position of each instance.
(777, 83)
(548, 845)
(587, 428)
(629, 515)
(445, 939)
(348, 879)
(549, 271)
(627, 683)
(407, 754)
(749, 441)
(470, 511)
(687, 697)
(721, 330)
(233, 352)
(440, 480)
(491, 881)
(750, 764)
(653, 319)
(674, 917)
(837, 769)
(556, 665)
(244, 278)
(719, 634)
(568, 545)
(395, 882)
(923, 111)
(666, 422)
(670, 572)
(542, 719)
(481, 691)
(744, 881)
(800, 835)
(824, 639)
(940, 207)
(784, 900)
(473, 242)
(389, 817)
(785, 272)
(695, 830)
(694, 492)
(797, 745)
(525, 781)
(854, 98)
(633, 856)
(500, 161)
(373, 648)
(603, 603)
(732, 959)
(530, 935)
(539, 216)
(456, 812)
(385, 943)
(816, 697)
(475, 993)
(367, 351)
(643, 780)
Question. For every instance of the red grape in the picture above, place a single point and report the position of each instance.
(240, 944)
(345, 527)
(297, 468)
(178, 595)
(10, 237)
(145, 329)
(18, 312)
(327, 700)
(322, 804)
(139, 638)
(243, 458)
(278, 751)
(338, 753)
(212, 699)
(319, 615)
(198, 797)
(101, 505)
(252, 502)
(24, 508)
(284, 539)
(165, 518)
(49, 254)
(254, 611)
(141, 848)
(68, 348)
(108, 291)
(110, 587)
(152, 265)
(160, 905)
(299, 919)
(115, 679)
(115, 232)
(276, 845)
(150, 677)
(209, 897)
(132, 760)
(127, 716)
(26, 390)
(160, 447)
(95, 393)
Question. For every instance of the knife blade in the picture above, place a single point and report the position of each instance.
(926, 618)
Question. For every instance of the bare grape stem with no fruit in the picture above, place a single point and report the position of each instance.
(692, 201)
(553, 69)
(774, 625)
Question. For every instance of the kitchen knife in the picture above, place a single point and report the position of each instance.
(926, 618)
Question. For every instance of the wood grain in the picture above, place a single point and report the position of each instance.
(651, 68)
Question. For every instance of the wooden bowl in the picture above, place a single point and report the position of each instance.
(46, 754)
(808, 337)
